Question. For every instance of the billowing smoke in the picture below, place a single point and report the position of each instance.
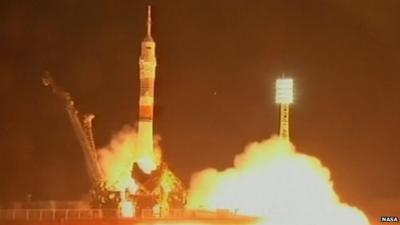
(118, 157)
(271, 180)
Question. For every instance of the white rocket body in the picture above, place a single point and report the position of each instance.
(147, 63)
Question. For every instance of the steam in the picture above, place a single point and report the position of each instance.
(271, 180)
(118, 157)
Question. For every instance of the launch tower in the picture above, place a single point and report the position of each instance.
(284, 97)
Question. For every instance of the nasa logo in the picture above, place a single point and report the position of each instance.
(390, 219)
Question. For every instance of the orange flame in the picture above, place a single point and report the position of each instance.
(127, 209)
(273, 181)
(147, 163)
(119, 156)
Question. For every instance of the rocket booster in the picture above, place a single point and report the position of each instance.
(147, 64)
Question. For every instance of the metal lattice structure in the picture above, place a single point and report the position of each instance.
(284, 97)
(83, 130)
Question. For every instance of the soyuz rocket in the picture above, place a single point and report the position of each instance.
(147, 64)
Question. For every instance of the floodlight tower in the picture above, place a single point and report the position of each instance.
(284, 97)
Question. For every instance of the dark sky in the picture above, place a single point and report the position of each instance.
(344, 56)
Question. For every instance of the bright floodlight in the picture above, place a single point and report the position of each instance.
(284, 91)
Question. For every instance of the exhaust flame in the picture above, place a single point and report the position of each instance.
(127, 209)
(119, 156)
(273, 181)
(147, 163)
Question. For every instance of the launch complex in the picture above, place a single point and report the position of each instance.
(152, 185)
(153, 190)
(270, 182)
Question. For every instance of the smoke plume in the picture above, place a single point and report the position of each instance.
(117, 159)
(271, 180)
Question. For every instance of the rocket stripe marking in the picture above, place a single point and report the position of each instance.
(146, 111)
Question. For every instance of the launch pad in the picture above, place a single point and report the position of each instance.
(109, 216)
(152, 190)
(150, 184)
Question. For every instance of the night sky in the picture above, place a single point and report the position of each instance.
(217, 62)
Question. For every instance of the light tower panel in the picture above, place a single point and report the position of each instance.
(284, 97)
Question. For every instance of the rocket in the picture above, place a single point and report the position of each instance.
(147, 64)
